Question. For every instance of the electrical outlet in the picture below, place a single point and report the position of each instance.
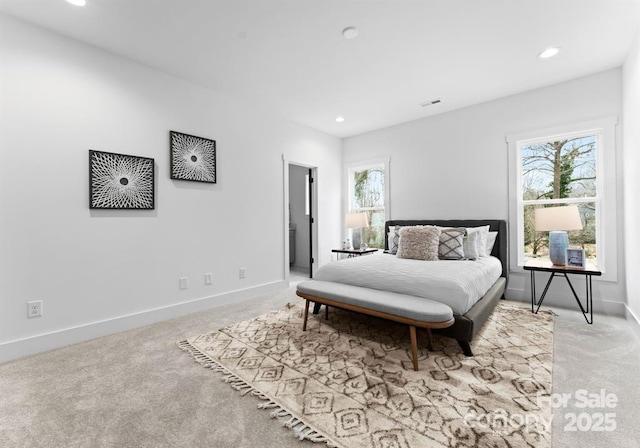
(34, 308)
(184, 282)
(208, 278)
(243, 272)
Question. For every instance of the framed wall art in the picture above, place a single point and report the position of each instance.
(193, 158)
(119, 181)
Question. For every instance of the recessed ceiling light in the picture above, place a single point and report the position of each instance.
(350, 32)
(339, 119)
(77, 2)
(549, 52)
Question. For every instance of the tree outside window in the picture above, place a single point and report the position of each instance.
(555, 171)
(367, 194)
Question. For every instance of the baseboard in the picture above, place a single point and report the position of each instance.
(43, 342)
(633, 319)
(566, 301)
(516, 294)
(609, 307)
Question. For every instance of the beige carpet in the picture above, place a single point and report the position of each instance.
(348, 381)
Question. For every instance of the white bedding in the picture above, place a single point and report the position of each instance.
(459, 284)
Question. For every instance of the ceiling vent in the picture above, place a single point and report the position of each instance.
(431, 103)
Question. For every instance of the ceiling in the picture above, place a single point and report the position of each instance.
(288, 57)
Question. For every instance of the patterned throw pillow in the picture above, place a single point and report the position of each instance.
(419, 243)
(450, 247)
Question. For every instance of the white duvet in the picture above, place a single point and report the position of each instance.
(457, 283)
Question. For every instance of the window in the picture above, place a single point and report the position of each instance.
(368, 192)
(572, 165)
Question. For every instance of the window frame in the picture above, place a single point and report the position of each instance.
(359, 166)
(605, 200)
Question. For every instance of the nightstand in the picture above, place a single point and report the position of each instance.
(545, 266)
(351, 253)
(354, 252)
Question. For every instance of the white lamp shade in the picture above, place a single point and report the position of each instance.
(356, 220)
(557, 218)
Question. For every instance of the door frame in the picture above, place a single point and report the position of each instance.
(313, 193)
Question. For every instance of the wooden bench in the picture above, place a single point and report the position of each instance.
(410, 310)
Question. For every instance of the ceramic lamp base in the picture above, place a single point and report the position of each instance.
(357, 239)
(558, 245)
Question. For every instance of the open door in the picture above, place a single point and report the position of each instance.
(302, 222)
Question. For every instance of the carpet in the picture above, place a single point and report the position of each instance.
(349, 381)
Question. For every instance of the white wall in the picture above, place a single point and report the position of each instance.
(631, 102)
(455, 165)
(102, 271)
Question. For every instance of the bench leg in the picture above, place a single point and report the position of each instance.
(306, 315)
(326, 312)
(414, 346)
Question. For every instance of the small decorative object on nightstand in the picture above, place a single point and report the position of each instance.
(575, 257)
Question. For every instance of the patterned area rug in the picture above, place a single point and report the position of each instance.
(349, 381)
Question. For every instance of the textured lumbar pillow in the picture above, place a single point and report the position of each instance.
(450, 247)
(419, 243)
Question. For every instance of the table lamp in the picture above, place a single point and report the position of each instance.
(557, 220)
(356, 221)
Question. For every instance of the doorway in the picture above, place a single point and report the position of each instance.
(301, 222)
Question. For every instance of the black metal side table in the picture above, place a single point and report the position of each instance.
(351, 253)
(354, 252)
(545, 266)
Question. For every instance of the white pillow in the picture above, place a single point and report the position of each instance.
(491, 240)
(470, 246)
(483, 233)
(393, 239)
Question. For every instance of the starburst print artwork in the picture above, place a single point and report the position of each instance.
(119, 181)
(193, 158)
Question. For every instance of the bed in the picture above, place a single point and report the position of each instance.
(472, 301)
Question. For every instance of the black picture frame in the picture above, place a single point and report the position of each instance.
(193, 158)
(121, 181)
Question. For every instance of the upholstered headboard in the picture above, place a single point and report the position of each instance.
(500, 248)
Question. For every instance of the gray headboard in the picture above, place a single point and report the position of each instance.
(500, 249)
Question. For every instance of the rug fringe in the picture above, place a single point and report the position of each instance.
(300, 429)
(269, 405)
